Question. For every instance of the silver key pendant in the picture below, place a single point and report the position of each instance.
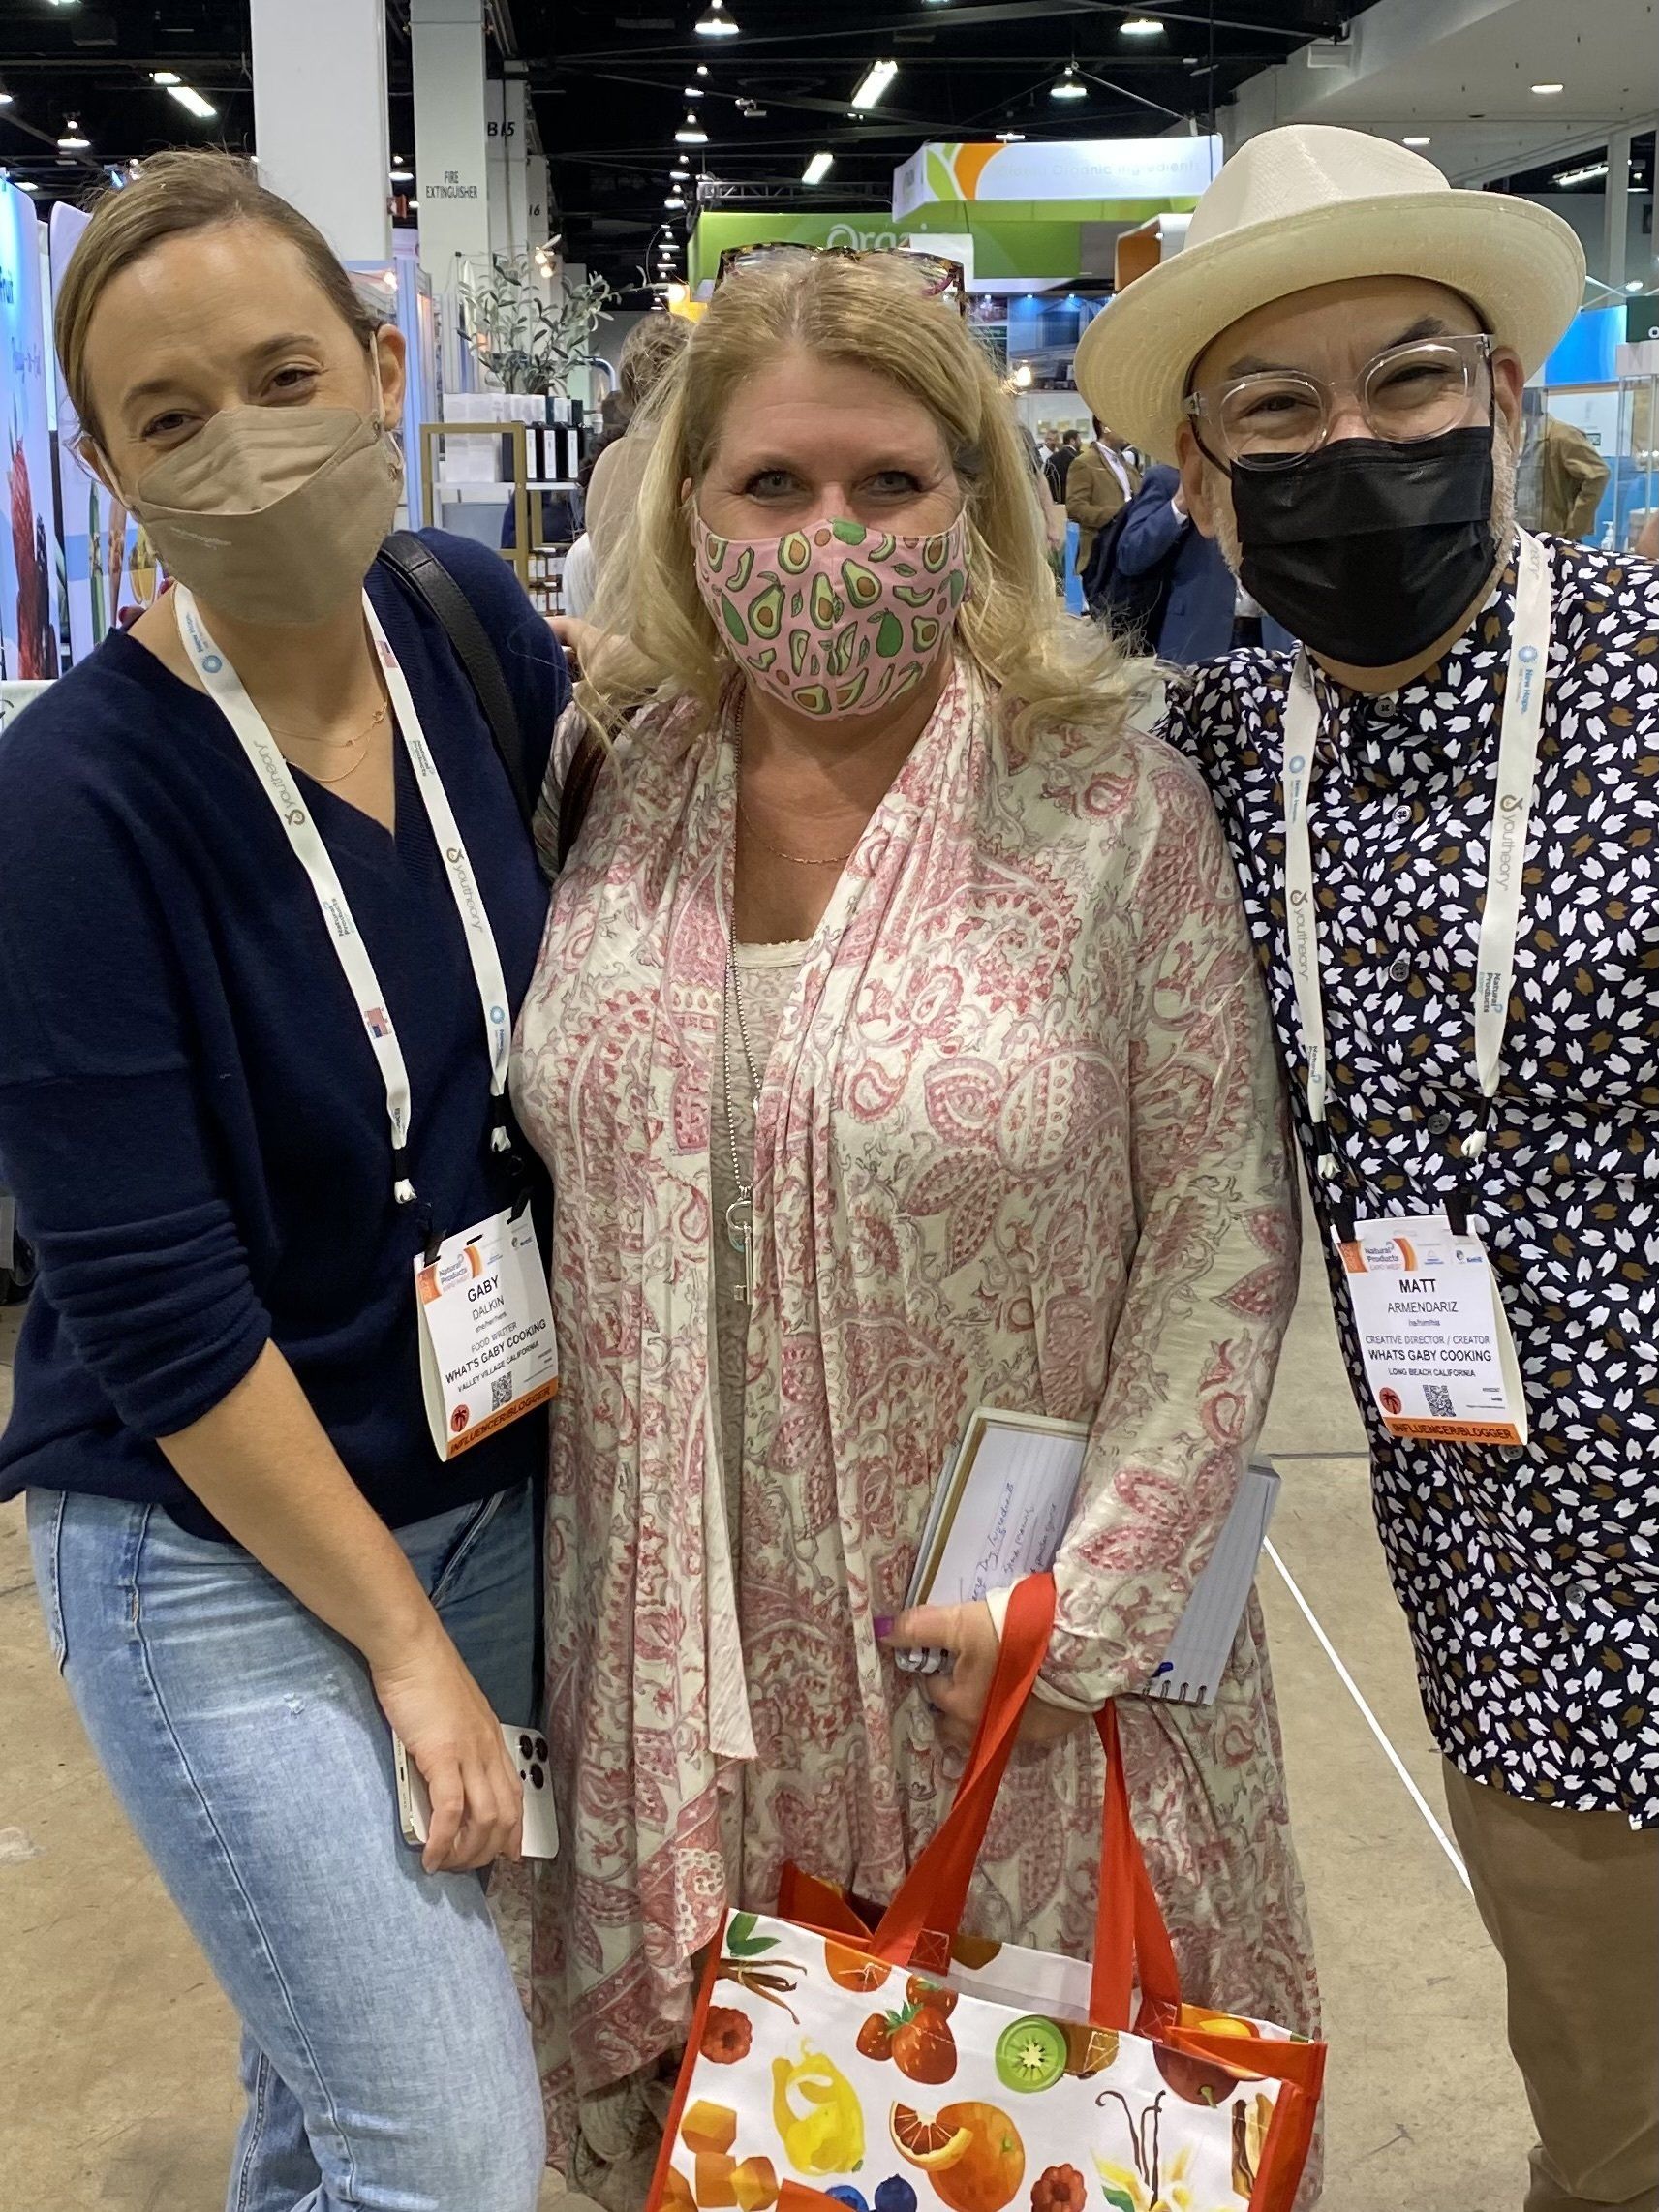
(740, 1230)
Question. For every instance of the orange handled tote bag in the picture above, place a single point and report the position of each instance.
(907, 2066)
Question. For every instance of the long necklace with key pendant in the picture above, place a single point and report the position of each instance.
(739, 1214)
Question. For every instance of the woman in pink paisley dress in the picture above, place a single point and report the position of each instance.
(896, 1048)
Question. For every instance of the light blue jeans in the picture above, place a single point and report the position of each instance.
(385, 2050)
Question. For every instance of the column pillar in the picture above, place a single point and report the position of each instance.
(515, 106)
(538, 219)
(506, 124)
(320, 117)
(495, 163)
(446, 40)
(1616, 206)
(538, 201)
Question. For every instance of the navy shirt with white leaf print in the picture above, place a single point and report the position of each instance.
(1530, 1577)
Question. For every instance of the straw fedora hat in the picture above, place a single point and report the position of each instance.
(1308, 204)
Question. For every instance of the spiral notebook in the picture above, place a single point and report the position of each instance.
(1002, 1509)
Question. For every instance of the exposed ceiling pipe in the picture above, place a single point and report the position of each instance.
(500, 14)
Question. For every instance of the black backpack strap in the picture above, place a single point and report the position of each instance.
(581, 781)
(425, 579)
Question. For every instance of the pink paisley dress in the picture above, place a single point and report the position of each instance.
(1019, 1142)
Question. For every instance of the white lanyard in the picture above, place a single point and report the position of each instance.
(228, 693)
(1511, 812)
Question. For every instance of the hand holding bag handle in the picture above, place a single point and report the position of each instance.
(933, 1896)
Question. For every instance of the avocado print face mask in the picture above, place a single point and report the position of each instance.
(835, 619)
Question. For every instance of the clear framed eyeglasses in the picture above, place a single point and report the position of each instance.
(1272, 418)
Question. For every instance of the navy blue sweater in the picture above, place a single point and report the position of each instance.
(190, 1115)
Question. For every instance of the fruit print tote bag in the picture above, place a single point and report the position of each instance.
(906, 2068)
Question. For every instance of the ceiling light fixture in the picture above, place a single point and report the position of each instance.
(1633, 284)
(696, 91)
(168, 77)
(401, 173)
(73, 139)
(690, 132)
(873, 84)
(5, 96)
(817, 168)
(24, 185)
(680, 176)
(1010, 138)
(1548, 91)
(1069, 86)
(1584, 175)
(1140, 28)
(715, 24)
(1417, 141)
(674, 200)
(192, 101)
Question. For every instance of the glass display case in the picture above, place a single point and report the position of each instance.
(1633, 492)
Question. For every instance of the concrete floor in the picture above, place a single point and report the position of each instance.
(124, 2048)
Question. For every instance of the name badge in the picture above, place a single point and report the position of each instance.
(1436, 1339)
(488, 1352)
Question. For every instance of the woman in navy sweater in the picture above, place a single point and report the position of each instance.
(267, 907)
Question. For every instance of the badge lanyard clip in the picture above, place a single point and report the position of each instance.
(1500, 917)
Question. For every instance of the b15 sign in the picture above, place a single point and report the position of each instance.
(1070, 171)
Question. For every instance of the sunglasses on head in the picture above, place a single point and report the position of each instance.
(936, 276)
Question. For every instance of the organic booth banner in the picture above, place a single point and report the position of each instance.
(865, 232)
(28, 546)
(1071, 176)
(1000, 249)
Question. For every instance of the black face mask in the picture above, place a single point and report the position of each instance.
(1370, 550)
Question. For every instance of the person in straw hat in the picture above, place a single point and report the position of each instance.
(1445, 820)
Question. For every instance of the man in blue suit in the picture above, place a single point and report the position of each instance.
(1159, 549)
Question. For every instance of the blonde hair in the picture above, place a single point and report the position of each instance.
(173, 193)
(662, 645)
(649, 351)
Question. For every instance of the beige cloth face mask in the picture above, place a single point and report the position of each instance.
(275, 514)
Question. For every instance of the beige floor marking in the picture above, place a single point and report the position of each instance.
(1371, 1721)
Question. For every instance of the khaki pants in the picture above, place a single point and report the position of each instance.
(1571, 1902)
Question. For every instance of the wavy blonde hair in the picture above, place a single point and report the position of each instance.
(1050, 669)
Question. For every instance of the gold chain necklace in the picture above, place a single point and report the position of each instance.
(357, 745)
(796, 859)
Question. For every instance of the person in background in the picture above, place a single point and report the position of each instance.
(579, 580)
(1176, 581)
(1098, 486)
(615, 415)
(1337, 357)
(649, 351)
(228, 1151)
(1647, 543)
(1057, 465)
(844, 1148)
(1560, 476)
(1053, 514)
